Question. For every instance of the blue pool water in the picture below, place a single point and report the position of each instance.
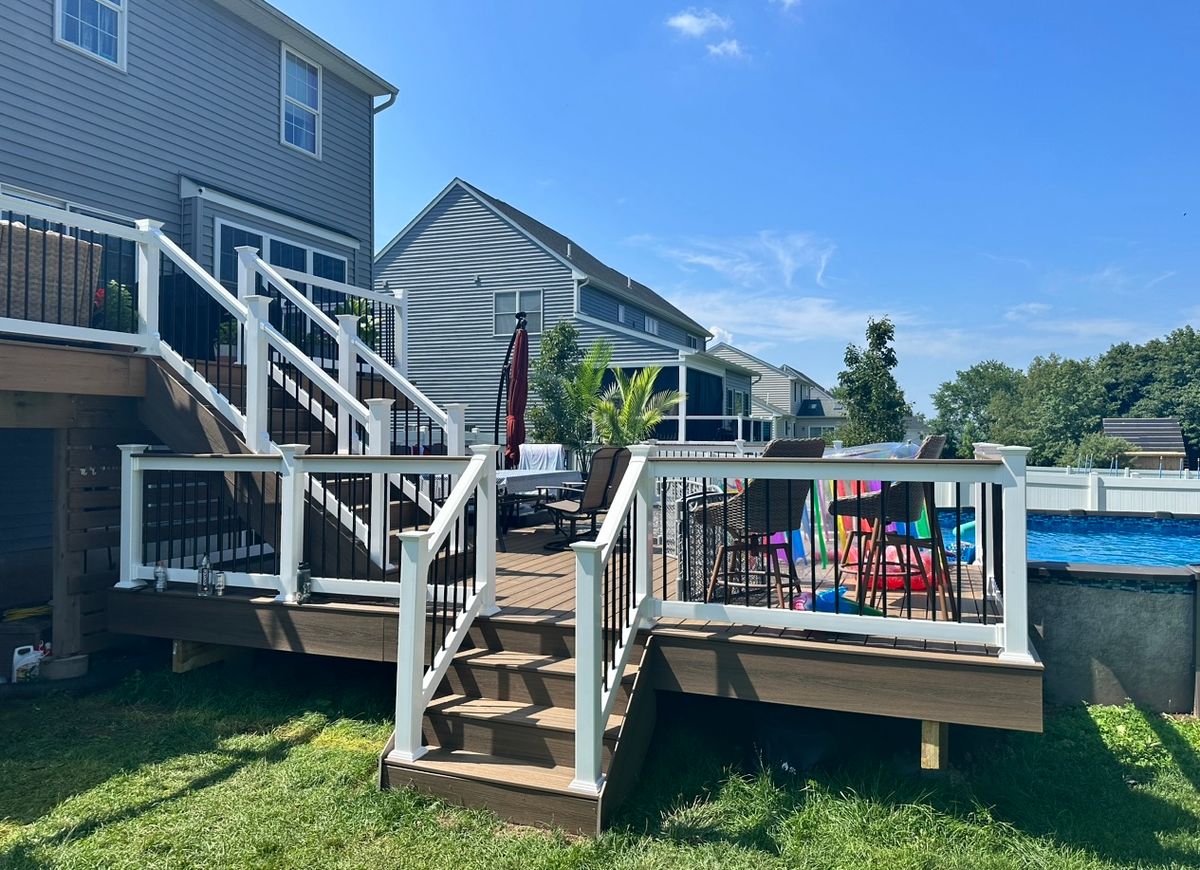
(1104, 540)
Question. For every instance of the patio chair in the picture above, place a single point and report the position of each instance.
(904, 504)
(607, 467)
(750, 518)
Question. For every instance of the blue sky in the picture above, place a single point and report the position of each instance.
(1003, 179)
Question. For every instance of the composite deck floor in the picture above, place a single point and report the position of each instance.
(536, 585)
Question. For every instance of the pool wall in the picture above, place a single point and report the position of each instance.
(1108, 634)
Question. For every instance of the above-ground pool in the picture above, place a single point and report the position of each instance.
(1103, 540)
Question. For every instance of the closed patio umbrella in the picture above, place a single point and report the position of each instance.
(518, 395)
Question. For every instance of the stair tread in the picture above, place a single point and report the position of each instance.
(496, 769)
(516, 713)
(519, 661)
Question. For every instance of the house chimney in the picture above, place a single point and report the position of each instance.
(568, 250)
(628, 282)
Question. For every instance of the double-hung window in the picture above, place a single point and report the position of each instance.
(506, 305)
(94, 27)
(300, 103)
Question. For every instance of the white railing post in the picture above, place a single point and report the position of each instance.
(379, 443)
(131, 516)
(1095, 487)
(485, 529)
(247, 283)
(347, 331)
(149, 266)
(589, 730)
(410, 650)
(456, 429)
(293, 480)
(643, 531)
(256, 360)
(739, 447)
(983, 534)
(400, 338)
(1016, 571)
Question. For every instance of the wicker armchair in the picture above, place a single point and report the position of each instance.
(746, 521)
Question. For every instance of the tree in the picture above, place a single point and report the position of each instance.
(867, 388)
(1058, 403)
(553, 419)
(629, 410)
(1096, 449)
(965, 406)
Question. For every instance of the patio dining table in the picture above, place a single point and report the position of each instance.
(511, 481)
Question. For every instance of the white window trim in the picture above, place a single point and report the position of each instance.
(265, 252)
(122, 34)
(651, 325)
(284, 51)
(541, 311)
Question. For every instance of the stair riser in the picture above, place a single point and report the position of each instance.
(547, 640)
(511, 684)
(506, 739)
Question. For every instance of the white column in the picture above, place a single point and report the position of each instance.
(247, 269)
(410, 650)
(131, 517)
(149, 266)
(1016, 569)
(1095, 487)
(984, 505)
(401, 337)
(485, 529)
(589, 730)
(644, 530)
(347, 330)
(456, 429)
(379, 443)
(258, 424)
(293, 481)
(682, 406)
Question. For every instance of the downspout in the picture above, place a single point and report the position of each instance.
(386, 104)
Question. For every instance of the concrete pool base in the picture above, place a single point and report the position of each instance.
(1108, 634)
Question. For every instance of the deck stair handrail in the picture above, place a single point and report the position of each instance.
(997, 478)
(416, 683)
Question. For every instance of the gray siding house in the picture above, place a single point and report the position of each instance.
(469, 261)
(224, 119)
(798, 405)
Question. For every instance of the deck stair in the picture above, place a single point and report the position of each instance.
(501, 733)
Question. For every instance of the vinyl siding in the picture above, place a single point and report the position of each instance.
(770, 387)
(605, 306)
(200, 98)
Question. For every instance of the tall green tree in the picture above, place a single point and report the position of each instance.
(629, 409)
(553, 419)
(874, 402)
(1059, 402)
(966, 406)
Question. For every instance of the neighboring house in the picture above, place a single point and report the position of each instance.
(798, 405)
(468, 262)
(224, 119)
(1158, 442)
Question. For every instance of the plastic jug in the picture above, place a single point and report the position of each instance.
(26, 663)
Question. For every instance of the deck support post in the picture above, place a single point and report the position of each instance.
(292, 484)
(258, 424)
(149, 265)
(1016, 568)
(588, 727)
(485, 529)
(935, 745)
(131, 517)
(379, 443)
(347, 329)
(400, 332)
(456, 429)
(642, 541)
(410, 651)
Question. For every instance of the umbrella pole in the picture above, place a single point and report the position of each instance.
(500, 388)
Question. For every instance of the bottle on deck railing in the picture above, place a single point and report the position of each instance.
(160, 578)
(303, 583)
(204, 579)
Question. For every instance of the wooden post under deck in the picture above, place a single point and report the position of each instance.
(935, 745)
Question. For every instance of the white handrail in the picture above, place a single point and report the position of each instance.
(192, 269)
(68, 218)
(316, 374)
(297, 298)
(337, 286)
(403, 384)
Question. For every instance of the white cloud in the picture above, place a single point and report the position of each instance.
(1026, 310)
(726, 48)
(721, 334)
(787, 4)
(696, 23)
(769, 258)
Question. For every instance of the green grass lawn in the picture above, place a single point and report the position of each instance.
(275, 767)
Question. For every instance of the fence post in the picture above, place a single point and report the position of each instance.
(149, 265)
(1016, 570)
(347, 330)
(640, 457)
(588, 728)
(485, 528)
(258, 425)
(292, 483)
(400, 336)
(1094, 492)
(379, 443)
(410, 651)
(456, 429)
(131, 517)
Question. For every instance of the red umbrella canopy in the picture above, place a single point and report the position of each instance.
(518, 398)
